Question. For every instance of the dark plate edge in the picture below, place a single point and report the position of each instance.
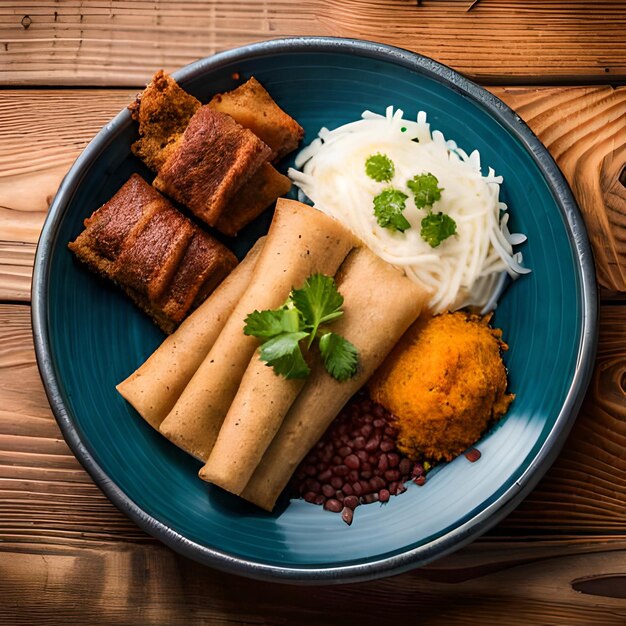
(453, 540)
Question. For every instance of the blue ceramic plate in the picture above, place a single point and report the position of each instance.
(89, 337)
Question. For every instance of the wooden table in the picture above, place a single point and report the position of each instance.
(67, 556)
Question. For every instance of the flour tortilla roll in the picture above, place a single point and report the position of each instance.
(154, 388)
(253, 419)
(300, 242)
(379, 305)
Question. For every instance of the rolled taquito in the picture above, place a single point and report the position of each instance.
(253, 419)
(300, 242)
(379, 305)
(154, 388)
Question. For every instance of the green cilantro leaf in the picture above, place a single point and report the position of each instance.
(339, 355)
(319, 302)
(379, 167)
(268, 324)
(282, 331)
(283, 353)
(426, 189)
(436, 227)
(388, 207)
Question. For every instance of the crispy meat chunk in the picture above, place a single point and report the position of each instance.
(163, 261)
(163, 111)
(211, 161)
(252, 199)
(254, 108)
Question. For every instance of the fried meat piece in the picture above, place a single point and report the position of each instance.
(211, 161)
(254, 108)
(163, 111)
(252, 199)
(163, 261)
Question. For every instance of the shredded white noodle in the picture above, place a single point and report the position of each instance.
(465, 269)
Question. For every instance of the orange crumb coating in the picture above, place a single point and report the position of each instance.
(445, 382)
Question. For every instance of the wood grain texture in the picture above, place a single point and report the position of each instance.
(65, 550)
(77, 42)
(42, 132)
(585, 130)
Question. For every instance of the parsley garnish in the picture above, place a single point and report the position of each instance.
(282, 331)
(426, 189)
(388, 207)
(379, 167)
(436, 227)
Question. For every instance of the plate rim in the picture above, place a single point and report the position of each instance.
(454, 539)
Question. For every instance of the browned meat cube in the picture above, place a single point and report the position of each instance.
(163, 111)
(163, 261)
(254, 108)
(211, 161)
(252, 199)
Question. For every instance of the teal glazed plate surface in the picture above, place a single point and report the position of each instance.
(89, 336)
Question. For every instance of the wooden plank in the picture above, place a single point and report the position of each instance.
(131, 584)
(122, 42)
(41, 134)
(43, 131)
(585, 130)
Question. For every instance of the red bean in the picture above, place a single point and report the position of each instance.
(333, 505)
(372, 444)
(377, 483)
(337, 460)
(383, 495)
(392, 475)
(357, 488)
(383, 464)
(368, 418)
(319, 500)
(370, 498)
(336, 482)
(359, 443)
(365, 486)
(418, 470)
(366, 467)
(387, 445)
(347, 489)
(351, 501)
(378, 423)
(394, 459)
(328, 491)
(325, 475)
(367, 474)
(367, 430)
(345, 451)
(347, 515)
(353, 475)
(310, 470)
(405, 467)
(341, 470)
(309, 496)
(352, 462)
(379, 410)
(339, 495)
(362, 455)
(390, 431)
(393, 487)
(420, 480)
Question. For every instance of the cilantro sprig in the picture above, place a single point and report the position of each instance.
(389, 205)
(379, 167)
(299, 323)
(436, 227)
(425, 188)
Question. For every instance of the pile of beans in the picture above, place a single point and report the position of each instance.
(356, 461)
